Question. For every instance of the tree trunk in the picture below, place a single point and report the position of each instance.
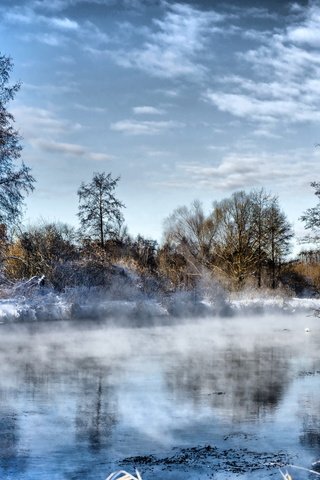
(101, 222)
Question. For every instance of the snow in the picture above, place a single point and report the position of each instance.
(44, 305)
(286, 304)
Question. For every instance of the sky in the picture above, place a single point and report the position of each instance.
(182, 100)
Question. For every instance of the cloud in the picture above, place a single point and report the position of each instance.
(53, 40)
(308, 31)
(36, 122)
(174, 43)
(157, 153)
(42, 125)
(264, 132)
(217, 148)
(90, 109)
(70, 149)
(263, 110)
(27, 16)
(133, 127)
(147, 110)
(239, 170)
(284, 85)
(64, 23)
(53, 30)
(253, 12)
(60, 5)
(45, 89)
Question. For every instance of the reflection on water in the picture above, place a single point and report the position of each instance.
(246, 383)
(75, 401)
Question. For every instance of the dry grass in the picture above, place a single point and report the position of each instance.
(308, 271)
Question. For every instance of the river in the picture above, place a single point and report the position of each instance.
(205, 398)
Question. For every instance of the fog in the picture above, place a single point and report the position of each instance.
(86, 397)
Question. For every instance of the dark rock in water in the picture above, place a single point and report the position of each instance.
(232, 460)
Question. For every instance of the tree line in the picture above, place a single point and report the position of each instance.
(243, 240)
(245, 237)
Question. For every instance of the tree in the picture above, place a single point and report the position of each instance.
(253, 234)
(15, 180)
(261, 202)
(99, 210)
(279, 235)
(192, 233)
(235, 242)
(311, 217)
(41, 250)
(144, 251)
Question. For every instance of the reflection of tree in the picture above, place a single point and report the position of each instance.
(95, 416)
(245, 382)
(95, 430)
(10, 456)
(310, 408)
(57, 377)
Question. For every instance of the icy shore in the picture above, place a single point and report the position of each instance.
(46, 305)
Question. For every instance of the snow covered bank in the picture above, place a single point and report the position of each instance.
(277, 303)
(91, 304)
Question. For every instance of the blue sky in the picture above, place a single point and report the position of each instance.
(183, 100)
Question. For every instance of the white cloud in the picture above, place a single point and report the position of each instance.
(45, 89)
(239, 170)
(90, 109)
(27, 15)
(54, 30)
(308, 31)
(252, 12)
(147, 110)
(133, 127)
(249, 107)
(35, 122)
(40, 124)
(51, 39)
(99, 157)
(217, 148)
(266, 133)
(63, 23)
(174, 43)
(284, 84)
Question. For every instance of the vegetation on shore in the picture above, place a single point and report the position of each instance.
(243, 241)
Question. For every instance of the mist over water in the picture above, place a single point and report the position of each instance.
(78, 400)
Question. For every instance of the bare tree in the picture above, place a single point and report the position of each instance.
(261, 203)
(191, 232)
(254, 236)
(279, 234)
(244, 237)
(235, 245)
(99, 210)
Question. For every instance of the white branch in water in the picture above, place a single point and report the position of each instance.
(305, 469)
(124, 476)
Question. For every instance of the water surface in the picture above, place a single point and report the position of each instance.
(208, 398)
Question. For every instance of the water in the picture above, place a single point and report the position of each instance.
(77, 402)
